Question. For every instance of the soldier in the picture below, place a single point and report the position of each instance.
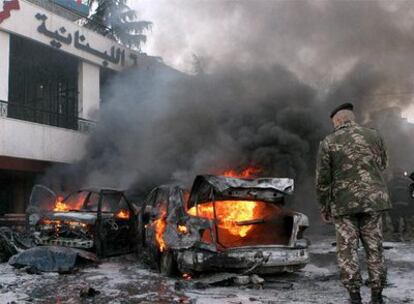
(399, 187)
(353, 195)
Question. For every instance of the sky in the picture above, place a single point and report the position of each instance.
(319, 41)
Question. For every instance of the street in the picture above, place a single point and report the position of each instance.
(124, 280)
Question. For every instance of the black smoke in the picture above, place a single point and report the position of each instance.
(268, 76)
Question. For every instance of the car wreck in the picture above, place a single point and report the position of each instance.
(224, 223)
(101, 220)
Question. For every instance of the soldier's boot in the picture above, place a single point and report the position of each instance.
(355, 297)
(376, 296)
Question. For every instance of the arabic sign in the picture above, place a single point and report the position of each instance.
(62, 36)
(8, 5)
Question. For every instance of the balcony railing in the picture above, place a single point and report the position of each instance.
(45, 117)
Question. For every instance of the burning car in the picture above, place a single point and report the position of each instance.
(225, 223)
(96, 219)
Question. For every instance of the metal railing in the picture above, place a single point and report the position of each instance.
(45, 117)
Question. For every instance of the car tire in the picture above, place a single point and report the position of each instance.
(168, 264)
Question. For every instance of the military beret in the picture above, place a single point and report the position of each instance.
(344, 106)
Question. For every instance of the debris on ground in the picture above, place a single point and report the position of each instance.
(51, 259)
(11, 243)
(126, 280)
(88, 292)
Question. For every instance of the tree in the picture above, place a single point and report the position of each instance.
(115, 19)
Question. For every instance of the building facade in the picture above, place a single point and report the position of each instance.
(51, 71)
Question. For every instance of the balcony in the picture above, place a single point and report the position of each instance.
(45, 117)
(42, 138)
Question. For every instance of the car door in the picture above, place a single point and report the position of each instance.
(148, 217)
(42, 199)
(112, 234)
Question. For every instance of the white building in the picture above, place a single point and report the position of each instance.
(51, 71)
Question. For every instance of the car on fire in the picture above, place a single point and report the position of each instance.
(95, 219)
(225, 224)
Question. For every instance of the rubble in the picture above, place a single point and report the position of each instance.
(242, 280)
(255, 279)
(124, 280)
(88, 292)
(11, 243)
(51, 259)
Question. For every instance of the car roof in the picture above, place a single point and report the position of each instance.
(103, 189)
(222, 183)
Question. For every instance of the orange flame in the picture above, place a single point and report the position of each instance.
(160, 225)
(60, 205)
(122, 214)
(64, 206)
(229, 214)
(246, 173)
(182, 229)
(58, 223)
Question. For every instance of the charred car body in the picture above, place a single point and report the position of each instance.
(96, 219)
(227, 224)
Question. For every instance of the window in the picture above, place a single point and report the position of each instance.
(43, 85)
(75, 201)
(111, 201)
(93, 201)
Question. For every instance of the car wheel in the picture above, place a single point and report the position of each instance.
(168, 265)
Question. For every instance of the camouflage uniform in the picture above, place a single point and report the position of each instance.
(350, 188)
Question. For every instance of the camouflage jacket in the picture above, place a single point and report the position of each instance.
(349, 171)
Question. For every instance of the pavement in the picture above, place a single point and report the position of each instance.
(124, 279)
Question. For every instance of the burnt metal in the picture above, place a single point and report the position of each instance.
(91, 227)
(270, 190)
(193, 254)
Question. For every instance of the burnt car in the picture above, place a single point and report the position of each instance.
(225, 224)
(101, 220)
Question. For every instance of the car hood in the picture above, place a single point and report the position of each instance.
(271, 190)
(85, 217)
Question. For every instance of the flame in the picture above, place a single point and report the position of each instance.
(187, 276)
(60, 205)
(246, 173)
(160, 226)
(122, 214)
(229, 214)
(57, 224)
(182, 229)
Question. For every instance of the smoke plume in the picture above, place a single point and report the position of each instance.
(267, 75)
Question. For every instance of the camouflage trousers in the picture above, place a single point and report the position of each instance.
(366, 227)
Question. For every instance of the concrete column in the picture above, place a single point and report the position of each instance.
(88, 90)
(4, 65)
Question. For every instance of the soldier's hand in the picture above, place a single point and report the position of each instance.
(326, 217)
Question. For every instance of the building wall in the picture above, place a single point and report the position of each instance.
(89, 46)
(27, 140)
(4, 65)
(88, 90)
(27, 148)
